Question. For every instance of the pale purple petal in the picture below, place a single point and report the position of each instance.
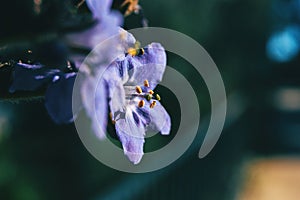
(99, 8)
(94, 100)
(91, 37)
(150, 66)
(107, 25)
(159, 118)
(131, 134)
(58, 98)
(117, 99)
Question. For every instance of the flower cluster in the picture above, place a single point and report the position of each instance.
(121, 76)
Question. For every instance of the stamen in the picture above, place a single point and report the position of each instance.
(153, 104)
(111, 118)
(138, 89)
(157, 97)
(132, 51)
(136, 50)
(141, 103)
(151, 92)
(148, 97)
(146, 83)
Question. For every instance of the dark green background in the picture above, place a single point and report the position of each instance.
(42, 160)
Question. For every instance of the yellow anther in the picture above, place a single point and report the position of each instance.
(138, 89)
(153, 104)
(151, 92)
(148, 97)
(146, 83)
(157, 97)
(141, 103)
(132, 51)
(136, 50)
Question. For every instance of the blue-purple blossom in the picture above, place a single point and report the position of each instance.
(133, 105)
(59, 87)
(30, 77)
(93, 68)
(58, 98)
(107, 25)
(124, 91)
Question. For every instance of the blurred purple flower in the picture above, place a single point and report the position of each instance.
(126, 88)
(123, 90)
(58, 97)
(30, 77)
(59, 87)
(107, 25)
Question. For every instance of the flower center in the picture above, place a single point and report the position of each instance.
(131, 92)
(146, 94)
(136, 50)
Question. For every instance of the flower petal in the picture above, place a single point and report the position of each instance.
(131, 134)
(29, 77)
(117, 99)
(58, 98)
(94, 100)
(149, 66)
(107, 25)
(91, 37)
(159, 119)
(99, 8)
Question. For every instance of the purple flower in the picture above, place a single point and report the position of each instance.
(58, 98)
(92, 69)
(59, 87)
(30, 77)
(126, 89)
(133, 104)
(107, 25)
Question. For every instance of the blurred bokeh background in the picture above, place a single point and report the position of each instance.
(255, 44)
